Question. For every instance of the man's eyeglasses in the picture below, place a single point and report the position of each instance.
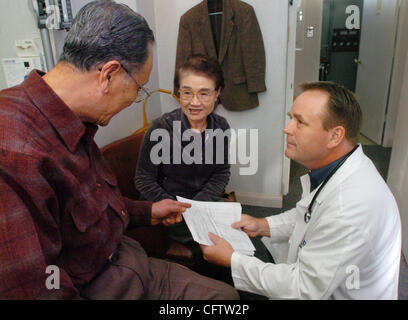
(204, 95)
(145, 92)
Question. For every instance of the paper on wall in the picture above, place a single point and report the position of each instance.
(17, 69)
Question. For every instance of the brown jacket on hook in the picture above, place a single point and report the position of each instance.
(241, 50)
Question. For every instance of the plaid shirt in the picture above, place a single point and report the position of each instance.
(59, 202)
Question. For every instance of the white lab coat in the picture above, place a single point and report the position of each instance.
(350, 249)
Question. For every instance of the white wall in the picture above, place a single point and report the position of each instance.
(398, 170)
(397, 75)
(17, 22)
(265, 187)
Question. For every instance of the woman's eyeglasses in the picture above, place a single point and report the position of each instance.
(204, 95)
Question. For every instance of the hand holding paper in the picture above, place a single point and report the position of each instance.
(252, 226)
(220, 253)
(216, 217)
(167, 211)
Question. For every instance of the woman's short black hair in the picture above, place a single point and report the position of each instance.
(201, 65)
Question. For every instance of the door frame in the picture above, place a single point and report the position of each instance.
(290, 79)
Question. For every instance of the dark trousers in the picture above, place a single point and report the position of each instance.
(131, 274)
(209, 269)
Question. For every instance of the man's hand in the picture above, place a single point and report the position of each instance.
(168, 211)
(253, 226)
(220, 253)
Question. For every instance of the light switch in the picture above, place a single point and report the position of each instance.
(379, 7)
(26, 48)
(310, 32)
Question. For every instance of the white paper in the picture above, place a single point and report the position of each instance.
(17, 69)
(216, 217)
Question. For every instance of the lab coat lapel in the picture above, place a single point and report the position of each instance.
(346, 170)
(300, 226)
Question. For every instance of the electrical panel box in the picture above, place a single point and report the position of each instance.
(345, 40)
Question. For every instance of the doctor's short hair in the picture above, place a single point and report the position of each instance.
(342, 109)
(201, 65)
(105, 30)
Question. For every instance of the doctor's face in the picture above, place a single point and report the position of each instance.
(306, 139)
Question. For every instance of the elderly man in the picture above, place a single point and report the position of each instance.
(62, 215)
(343, 239)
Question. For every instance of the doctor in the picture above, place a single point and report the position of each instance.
(343, 239)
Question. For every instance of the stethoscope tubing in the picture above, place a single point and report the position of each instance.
(308, 213)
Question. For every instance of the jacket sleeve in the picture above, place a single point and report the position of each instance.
(23, 260)
(320, 268)
(253, 52)
(281, 226)
(147, 172)
(140, 212)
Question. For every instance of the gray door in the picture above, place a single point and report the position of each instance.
(375, 64)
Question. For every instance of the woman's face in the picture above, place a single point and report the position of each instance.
(197, 96)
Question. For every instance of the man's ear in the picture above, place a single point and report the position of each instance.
(107, 72)
(336, 136)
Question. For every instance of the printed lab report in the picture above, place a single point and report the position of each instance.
(217, 217)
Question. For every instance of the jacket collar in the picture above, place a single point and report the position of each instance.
(346, 170)
(65, 122)
(226, 29)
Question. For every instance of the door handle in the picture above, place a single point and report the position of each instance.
(357, 61)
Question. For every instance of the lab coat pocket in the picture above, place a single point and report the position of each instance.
(298, 233)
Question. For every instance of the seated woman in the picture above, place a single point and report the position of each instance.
(201, 176)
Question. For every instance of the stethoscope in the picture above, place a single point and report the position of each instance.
(308, 213)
